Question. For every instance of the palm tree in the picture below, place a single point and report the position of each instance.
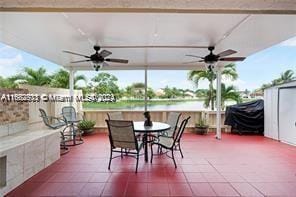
(228, 72)
(60, 79)
(287, 76)
(32, 77)
(198, 75)
(265, 85)
(227, 93)
(276, 82)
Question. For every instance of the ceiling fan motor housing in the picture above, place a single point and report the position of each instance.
(211, 58)
(97, 48)
(97, 58)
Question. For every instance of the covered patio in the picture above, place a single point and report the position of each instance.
(161, 44)
(235, 166)
(152, 37)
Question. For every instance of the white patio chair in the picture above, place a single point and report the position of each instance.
(172, 120)
(115, 116)
(122, 136)
(171, 143)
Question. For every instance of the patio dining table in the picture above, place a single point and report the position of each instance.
(157, 127)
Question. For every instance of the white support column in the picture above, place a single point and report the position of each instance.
(145, 88)
(71, 83)
(218, 103)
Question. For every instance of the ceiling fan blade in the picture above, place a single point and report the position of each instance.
(117, 60)
(195, 56)
(81, 61)
(73, 53)
(105, 53)
(193, 62)
(232, 59)
(105, 64)
(226, 53)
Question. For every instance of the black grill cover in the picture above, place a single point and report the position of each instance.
(246, 116)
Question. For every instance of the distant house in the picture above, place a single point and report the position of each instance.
(257, 94)
(189, 94)
(245, 94)
(159, 93)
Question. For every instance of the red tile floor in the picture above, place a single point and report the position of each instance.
(234, 166)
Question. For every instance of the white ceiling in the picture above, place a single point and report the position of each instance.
(47, 34)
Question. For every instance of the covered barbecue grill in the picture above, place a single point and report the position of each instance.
(246, 117)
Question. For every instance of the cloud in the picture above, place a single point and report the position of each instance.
(5, 62)
(240, 84)
(202, 84)
(8, 66)
(185, 84)
(289, 43)
(164, 81)
(5, 48)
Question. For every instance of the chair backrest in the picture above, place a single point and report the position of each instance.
(44, 117)
(181, 130)
(115, 116)
(49, 120)
(69, 113)
(173, 120)
(121, 134)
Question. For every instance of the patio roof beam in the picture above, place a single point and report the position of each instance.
(197, 66)
(154, 6)
(154, 46)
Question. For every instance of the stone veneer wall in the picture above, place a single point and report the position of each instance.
(11, 112)
(14, 116)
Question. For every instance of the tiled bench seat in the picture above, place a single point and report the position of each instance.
(24, 154)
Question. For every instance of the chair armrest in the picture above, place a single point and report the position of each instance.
(56, 118)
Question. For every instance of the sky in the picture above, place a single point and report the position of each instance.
(257, 69)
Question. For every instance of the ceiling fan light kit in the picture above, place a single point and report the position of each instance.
(97, 66)
(98, 59)
(212, 59)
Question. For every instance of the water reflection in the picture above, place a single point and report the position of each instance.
(186, 106)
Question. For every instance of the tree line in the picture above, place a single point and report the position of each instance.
(102, 83)
(106, 83)
(284, 77)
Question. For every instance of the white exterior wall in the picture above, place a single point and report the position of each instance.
(287, 115)
(271, 112)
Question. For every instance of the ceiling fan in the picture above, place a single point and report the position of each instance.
(211, 59)
(98, 59)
